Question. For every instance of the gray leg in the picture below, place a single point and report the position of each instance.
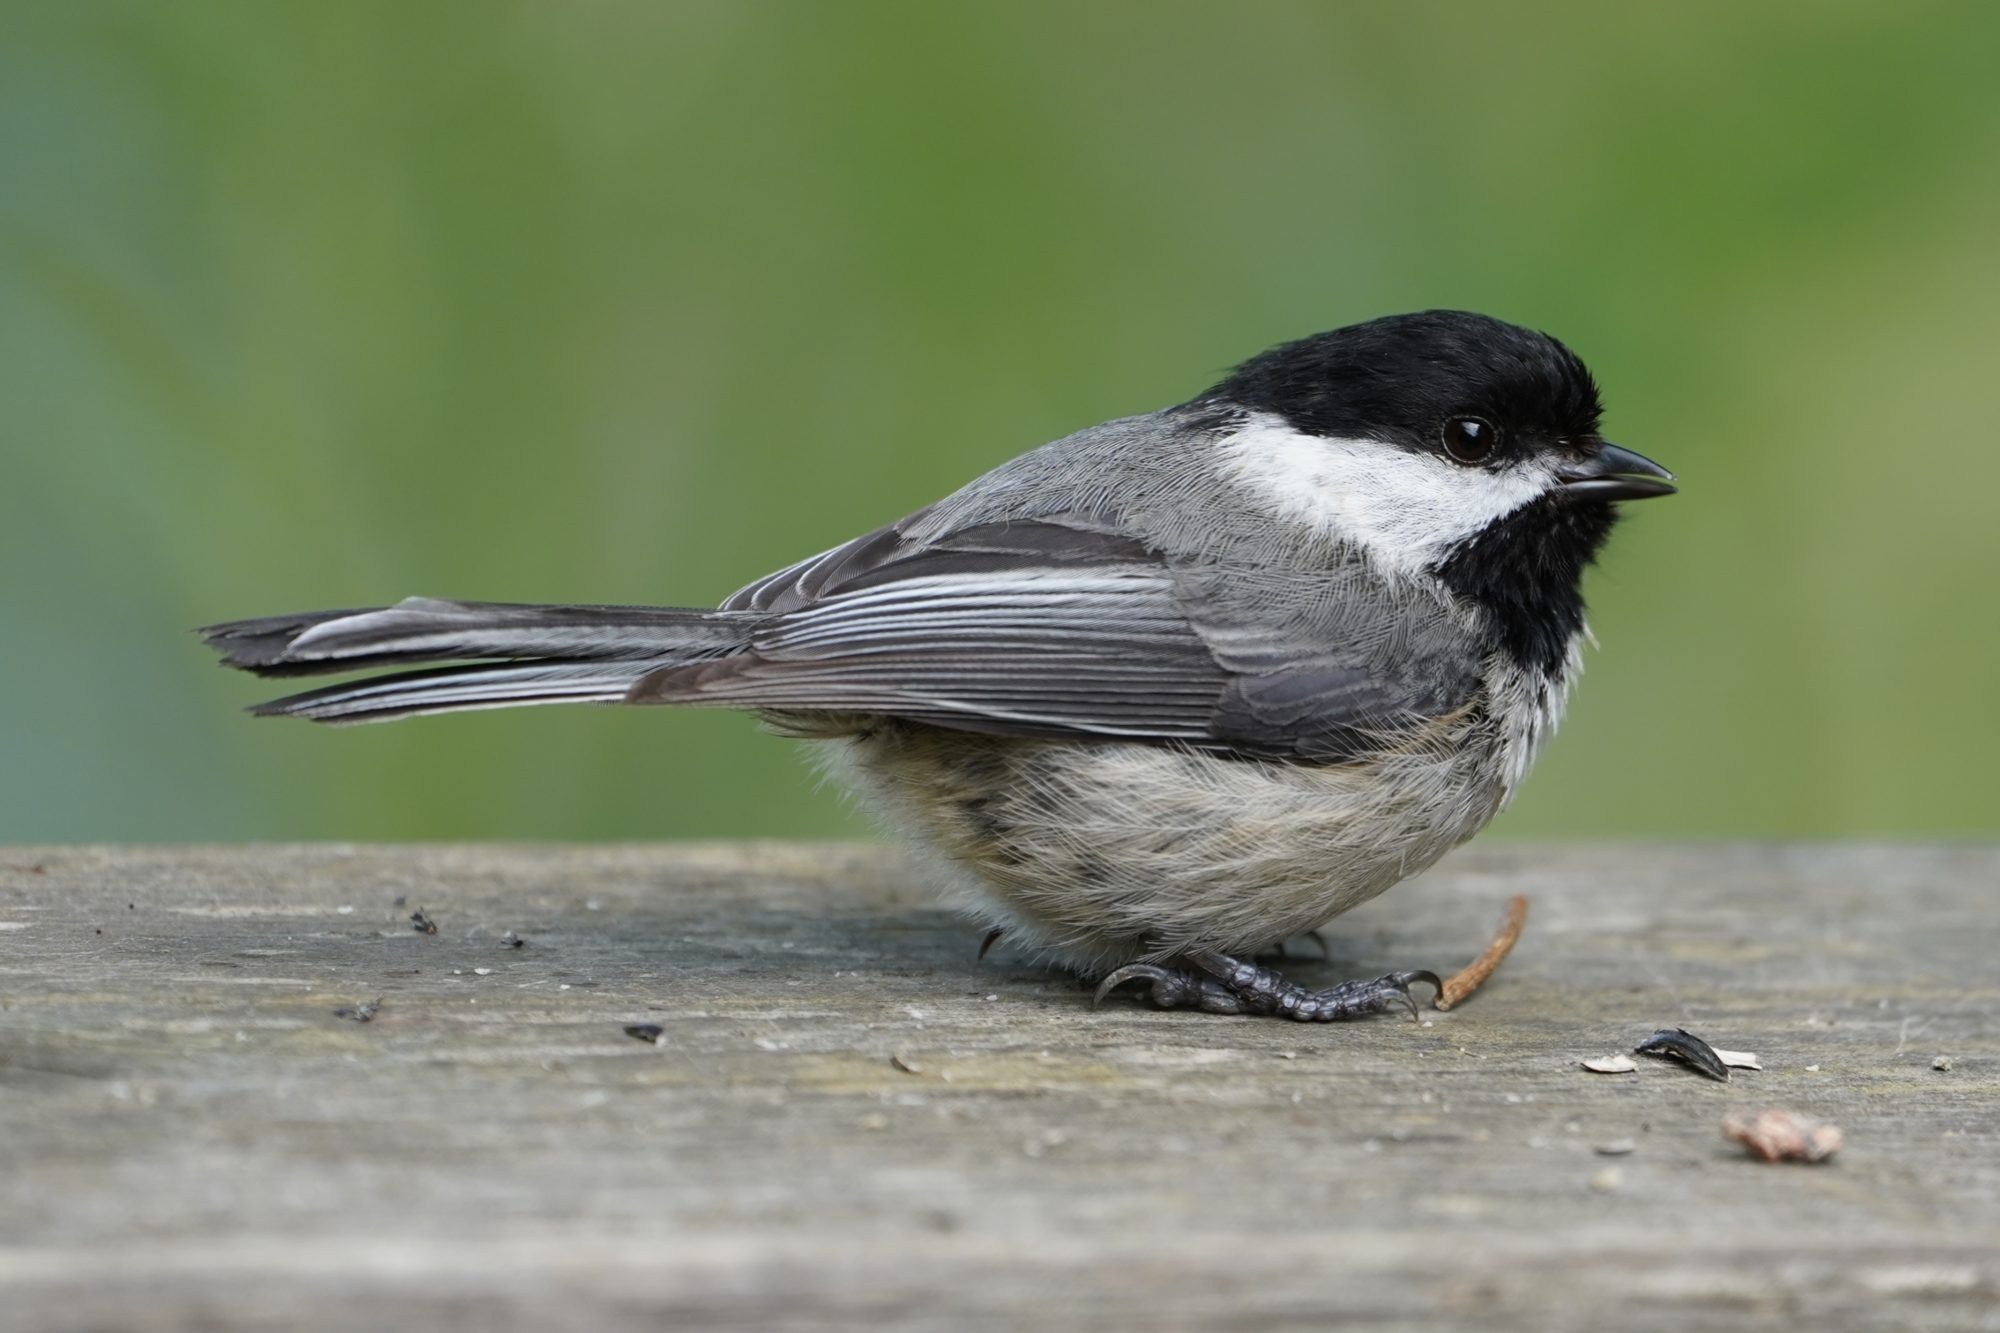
(1278, 953)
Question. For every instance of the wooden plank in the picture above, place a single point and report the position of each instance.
(190, 1138)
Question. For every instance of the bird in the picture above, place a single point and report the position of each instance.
(1155, 696)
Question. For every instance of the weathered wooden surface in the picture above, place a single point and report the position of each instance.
(189, 1136)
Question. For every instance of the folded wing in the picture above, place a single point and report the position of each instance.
(1056, 627)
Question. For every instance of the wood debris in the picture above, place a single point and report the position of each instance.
(1778, 1135)
(360, 1013)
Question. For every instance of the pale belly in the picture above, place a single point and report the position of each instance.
(1100, 853)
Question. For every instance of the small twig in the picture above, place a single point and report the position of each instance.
(1474, 974)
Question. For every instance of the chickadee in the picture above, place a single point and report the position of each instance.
(1157, 695)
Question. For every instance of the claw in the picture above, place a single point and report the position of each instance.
(987, 943)
(1129, 972)
(1401, 981)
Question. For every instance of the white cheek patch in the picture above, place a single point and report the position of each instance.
(1406, 510)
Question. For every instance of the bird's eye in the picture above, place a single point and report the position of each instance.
(1469, 439)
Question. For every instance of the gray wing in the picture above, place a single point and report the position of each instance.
(1064, 626)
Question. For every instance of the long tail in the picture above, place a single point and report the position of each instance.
(500, 655)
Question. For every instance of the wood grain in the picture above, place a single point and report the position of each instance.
(848, 1121)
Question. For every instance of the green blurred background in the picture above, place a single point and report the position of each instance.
(311, 305)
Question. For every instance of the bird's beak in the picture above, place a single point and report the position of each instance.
(1612, 473)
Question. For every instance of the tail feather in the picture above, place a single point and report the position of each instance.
(460, 689)
(426, 629)
(259, 645)
(501, 654)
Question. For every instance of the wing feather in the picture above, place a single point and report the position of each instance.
(1062, 627)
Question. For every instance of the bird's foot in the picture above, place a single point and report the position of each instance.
(1219, 984)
